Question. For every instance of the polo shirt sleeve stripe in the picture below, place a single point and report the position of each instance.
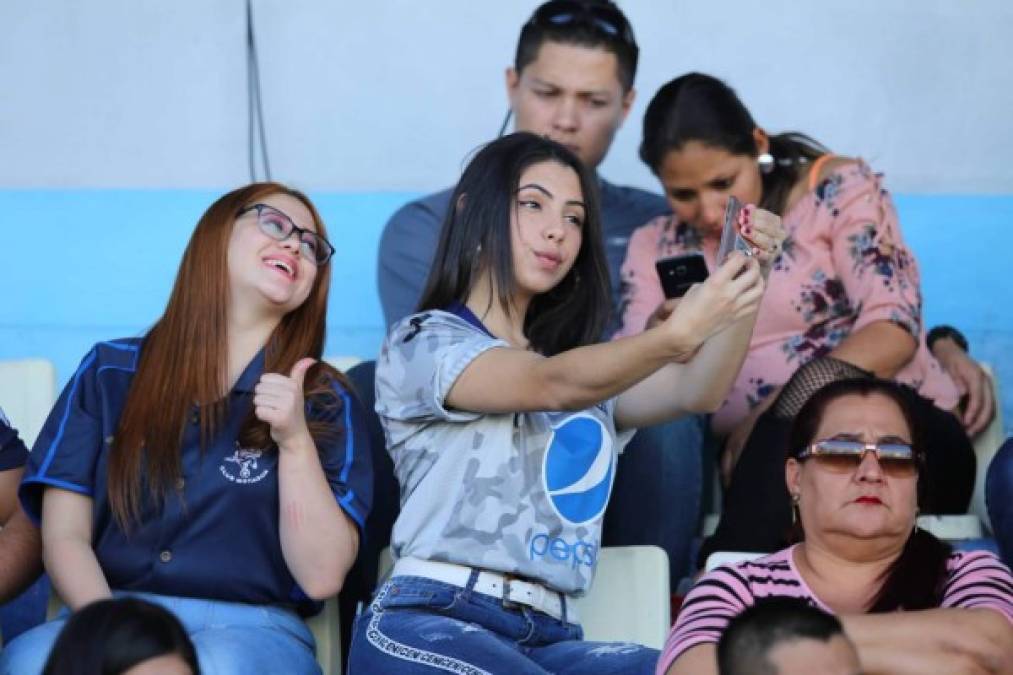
(68, 413)
(347, 461)
(67, 404)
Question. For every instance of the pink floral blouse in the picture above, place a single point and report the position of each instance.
(844, 265)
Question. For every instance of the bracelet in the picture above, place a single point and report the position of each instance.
(946, 332)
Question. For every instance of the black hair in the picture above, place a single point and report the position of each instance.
(750, 635)
(476, 237)
(583, 32)
(702, 108)
(109, 637)
(915, 579)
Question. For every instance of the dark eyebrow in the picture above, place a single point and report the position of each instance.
(536, 186)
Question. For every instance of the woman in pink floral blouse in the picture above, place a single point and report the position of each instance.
(845, 285)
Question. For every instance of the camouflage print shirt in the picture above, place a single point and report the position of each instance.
(521, 493)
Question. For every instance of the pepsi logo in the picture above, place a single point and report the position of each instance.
(578, 468)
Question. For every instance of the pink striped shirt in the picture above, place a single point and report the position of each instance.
(974, 580)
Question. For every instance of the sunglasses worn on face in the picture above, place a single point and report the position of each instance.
(895, 459)
(280, 227)
(603, 18)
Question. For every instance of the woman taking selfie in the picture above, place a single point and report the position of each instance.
(214, 466)
(504, 419)
(907, 602)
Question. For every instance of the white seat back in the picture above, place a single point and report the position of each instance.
(986, 444)
(630, 600)
(27, 394)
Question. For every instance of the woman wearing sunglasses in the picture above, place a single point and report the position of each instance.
(906, 600)
(504, 417)
(214, 467)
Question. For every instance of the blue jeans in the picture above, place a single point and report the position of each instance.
(656, 497)
(416, 625)
(999, 499)
(231, 638)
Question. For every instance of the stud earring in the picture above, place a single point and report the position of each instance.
(766, 162)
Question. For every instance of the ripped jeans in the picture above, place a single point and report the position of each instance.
(418, 625)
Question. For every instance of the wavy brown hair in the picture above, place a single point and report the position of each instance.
(184, 360)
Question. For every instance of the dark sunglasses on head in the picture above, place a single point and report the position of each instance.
(896, 459)
(280, 227)
(606, 20)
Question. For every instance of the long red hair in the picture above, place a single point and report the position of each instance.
(184, 360)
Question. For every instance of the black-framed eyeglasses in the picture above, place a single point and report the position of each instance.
(607, 20)
(280, 227)
(840, 456)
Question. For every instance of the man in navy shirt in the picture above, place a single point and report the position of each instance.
(20, 541)
(572, 81)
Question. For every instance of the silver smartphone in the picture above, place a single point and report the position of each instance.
(731, 240)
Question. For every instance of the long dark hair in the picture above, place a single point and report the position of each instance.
(109, 637)
(915, 579)
(702, 108)
(476, 237)
(184, 360)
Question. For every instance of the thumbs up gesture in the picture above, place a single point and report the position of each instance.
(278, 400)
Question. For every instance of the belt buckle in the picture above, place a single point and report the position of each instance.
(505, 599)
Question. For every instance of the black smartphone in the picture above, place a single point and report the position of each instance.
(680, 272)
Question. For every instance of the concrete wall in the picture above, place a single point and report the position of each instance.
(121, 120)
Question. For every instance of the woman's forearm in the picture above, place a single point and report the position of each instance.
(66, 548)
(74, 571)
(882, 347)
(318, 540)
(513, 380)
(932, 641)
(714, 369)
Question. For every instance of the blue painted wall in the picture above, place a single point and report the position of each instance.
(87, 265)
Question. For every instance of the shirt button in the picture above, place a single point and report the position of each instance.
(165, 556)
(194, 419)
(109, 440)
(180, 483)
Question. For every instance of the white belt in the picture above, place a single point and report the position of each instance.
(505, 587)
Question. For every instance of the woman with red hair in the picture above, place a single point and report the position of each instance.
(215, 466)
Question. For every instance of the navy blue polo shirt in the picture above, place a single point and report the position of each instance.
(13, 452)
(221, 540)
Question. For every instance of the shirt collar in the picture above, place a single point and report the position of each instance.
(251, 375)
(459, 309)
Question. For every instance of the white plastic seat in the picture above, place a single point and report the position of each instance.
(628, 600)
(325, 627)
(27, 394)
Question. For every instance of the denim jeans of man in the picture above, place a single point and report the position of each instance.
(231, 638)
(999, 499)
(657, 492)
(416, 625)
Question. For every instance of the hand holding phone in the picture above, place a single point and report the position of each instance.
(680, 272)
(731, 240)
